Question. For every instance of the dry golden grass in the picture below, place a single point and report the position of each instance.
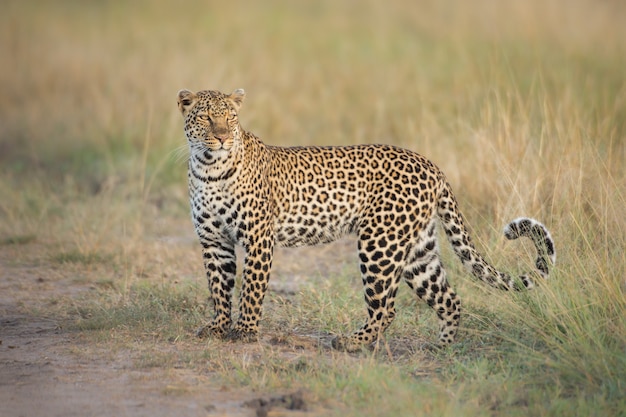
(521, 103)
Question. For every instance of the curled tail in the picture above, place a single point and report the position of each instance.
(539, 234)
(459, 238)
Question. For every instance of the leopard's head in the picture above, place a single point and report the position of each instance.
(211, 120)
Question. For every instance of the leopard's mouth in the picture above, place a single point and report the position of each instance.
(222, 147)
(217, 145)
(210, 146)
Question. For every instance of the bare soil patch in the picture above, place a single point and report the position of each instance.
(48, 368)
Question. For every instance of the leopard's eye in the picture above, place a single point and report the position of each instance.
(204, 117)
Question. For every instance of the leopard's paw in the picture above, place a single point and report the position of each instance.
(243, 335)
(347, 344)
(211, 330)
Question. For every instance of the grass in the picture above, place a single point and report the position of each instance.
(521, 103)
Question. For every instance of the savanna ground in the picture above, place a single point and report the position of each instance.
(521, 103)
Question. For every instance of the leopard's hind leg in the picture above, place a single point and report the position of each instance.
(425, 274)
(381, 266)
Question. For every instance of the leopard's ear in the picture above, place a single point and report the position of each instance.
(237, 97)
(186, 100)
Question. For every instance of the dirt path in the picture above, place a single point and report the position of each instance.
(40, 374)
(46, 370)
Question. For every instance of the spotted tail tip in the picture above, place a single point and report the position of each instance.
(538, 233)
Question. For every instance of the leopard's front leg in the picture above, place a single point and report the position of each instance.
(256, 275)
(220, 265)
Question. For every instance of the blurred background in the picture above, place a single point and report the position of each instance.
(521, 102)
(93, 83)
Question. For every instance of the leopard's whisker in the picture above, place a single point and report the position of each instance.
(180, 154)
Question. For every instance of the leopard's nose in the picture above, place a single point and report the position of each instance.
(222, 136)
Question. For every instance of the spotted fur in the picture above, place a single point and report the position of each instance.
(243, 192)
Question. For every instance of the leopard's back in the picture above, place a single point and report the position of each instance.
(324, 193)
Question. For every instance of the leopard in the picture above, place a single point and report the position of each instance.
(245, 193)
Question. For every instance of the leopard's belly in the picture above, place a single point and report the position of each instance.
(295, 229)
